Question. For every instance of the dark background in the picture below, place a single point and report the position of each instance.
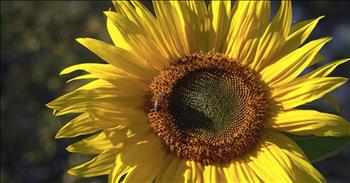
(37, 42)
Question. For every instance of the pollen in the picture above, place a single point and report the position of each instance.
(207, 107)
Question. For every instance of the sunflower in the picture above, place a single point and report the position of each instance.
(199, 93)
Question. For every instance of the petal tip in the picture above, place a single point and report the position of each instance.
(321, 17)
(70, 149)
(48, 105)
(326, 39)
(58, 135)
(72, 171)
(81, 40)
(107, 13)
(65, 71)
(51, 105)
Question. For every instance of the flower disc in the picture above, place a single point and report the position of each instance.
(207, 108)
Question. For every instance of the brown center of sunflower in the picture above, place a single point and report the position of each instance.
(207, 108)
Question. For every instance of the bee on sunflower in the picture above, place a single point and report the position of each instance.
(199, 93)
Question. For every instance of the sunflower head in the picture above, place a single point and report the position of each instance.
(207, 108)
(201, 93)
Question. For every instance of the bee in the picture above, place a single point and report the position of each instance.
(157, 102)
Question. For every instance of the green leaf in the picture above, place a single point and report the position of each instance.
(320, 148)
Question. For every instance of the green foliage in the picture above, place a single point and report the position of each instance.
(320, 148)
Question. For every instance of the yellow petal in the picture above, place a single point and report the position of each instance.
(248, 51)
(175, 17)
(298, 35)
(101, 95)
(100, 165)
(318, 58)
(88, 107)
(132, 119)
(270, 163)
(105, 72)
(248, 22)
(102, 89)
(273, 39)
(129, 63)
(306, 90)
(148, 164)
(291, 65)
(79, 99)
(92, 145)
(209, 174)
(284, 142)
(126, 9)
(96, 84)
(119, 170)
(310, 122)
(196, 173)
(325, 70)
(80, 125)
(116, 36)
(284, 17)
(304, 172)
(89, 76)
(147, 19)
(213, 173)
(220, 14)
(198, 18)
(173, 26)
(303, 29)
(138, 42)
(151, 27)
(176, 171)
(91, 68)
(239, 171)
(279, 159)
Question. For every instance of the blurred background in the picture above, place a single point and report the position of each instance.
(37, 42)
